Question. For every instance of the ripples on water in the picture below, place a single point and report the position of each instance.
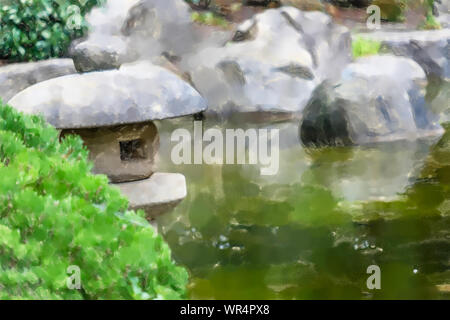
(312, 230)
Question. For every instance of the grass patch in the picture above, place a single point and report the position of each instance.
(209, 18)
(365, 47)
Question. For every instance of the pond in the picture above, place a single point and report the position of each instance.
(312, 230)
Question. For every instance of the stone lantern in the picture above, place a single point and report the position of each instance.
(112, 111)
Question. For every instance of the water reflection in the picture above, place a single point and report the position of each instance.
(312, 230)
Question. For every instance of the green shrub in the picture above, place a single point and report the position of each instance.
(54, 214)
(209, 18)
(365, 47)
(41, 29)
(430, 22)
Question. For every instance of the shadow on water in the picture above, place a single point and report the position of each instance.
(311, 231)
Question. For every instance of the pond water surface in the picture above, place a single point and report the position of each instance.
(312, 230)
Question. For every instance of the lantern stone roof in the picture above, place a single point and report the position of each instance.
(135, 93)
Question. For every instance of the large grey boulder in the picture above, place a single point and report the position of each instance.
(429, 48)
(105, 47)
(378, 98)
(135, 93)
(156, 26)
(272, 64)
(125, 30)
(19, 76)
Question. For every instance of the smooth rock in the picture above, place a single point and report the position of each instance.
(378, 98)
(157, 194)
(135, 93)
(442, 11)
(105, 47)
(103, 53)
(272, 64)
(19, 76)
(429, 48)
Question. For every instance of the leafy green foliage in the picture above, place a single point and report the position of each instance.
(41, 29)
(430, 22)
(54, 213)
(365, 47)
(209, 18)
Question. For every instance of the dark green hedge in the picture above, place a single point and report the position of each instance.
(40, 29)
(54, 213)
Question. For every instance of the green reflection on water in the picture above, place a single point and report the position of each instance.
(312, 232)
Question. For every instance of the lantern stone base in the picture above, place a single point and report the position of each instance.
(155, 195)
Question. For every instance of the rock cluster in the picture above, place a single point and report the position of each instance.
(125, 30)
(272, 63)
(280, 63)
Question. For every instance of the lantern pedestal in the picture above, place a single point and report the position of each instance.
(155, 195)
